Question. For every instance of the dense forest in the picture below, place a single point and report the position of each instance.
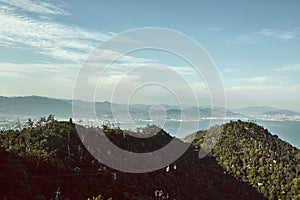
(47, 160)
(253, 155)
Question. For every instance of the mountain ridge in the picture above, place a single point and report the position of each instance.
(43, 106)
(252, 154)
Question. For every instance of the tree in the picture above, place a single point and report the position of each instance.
(29, 123)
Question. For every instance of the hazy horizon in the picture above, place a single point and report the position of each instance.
(175, 105)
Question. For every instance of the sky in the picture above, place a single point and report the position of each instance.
(254, 45)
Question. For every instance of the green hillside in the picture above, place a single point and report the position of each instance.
(48, 160)
(251, 154)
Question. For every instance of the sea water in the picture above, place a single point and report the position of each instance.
(288, 131)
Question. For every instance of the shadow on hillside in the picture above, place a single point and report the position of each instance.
(187, 178)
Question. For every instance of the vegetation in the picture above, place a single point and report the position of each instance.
(251, 154)
(47, 160)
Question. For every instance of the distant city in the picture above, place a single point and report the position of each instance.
(15, 112)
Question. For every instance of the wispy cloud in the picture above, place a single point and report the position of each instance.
(257, 79)
(56, 40)
(295, 67)
(250, 81)
(229, 70)
(139, 69)
(170, 86)
(13, 70)
(280, 34)
(40, 7)
(257, 37)
(273, 95)
(46, 79)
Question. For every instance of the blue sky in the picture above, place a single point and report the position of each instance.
(255, 46)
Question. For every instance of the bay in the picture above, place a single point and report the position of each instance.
(288, 131)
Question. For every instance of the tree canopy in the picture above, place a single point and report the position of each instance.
(47, 160)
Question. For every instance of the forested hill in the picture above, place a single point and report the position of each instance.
(48, 161)
(253, 155)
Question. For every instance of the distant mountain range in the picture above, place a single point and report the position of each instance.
(254, 110)
(34, 106)
(264, 111)
(37, 106)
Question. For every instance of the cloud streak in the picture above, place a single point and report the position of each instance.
(257, 79)
(39, 7)
(279, 34)
(56, 40)
(286, 96)
(12, 70)
(257, 37)
(295, 67)
(250, 81)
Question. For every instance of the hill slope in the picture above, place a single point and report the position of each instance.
(251, 154)
(247, 163)
(36, 161)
